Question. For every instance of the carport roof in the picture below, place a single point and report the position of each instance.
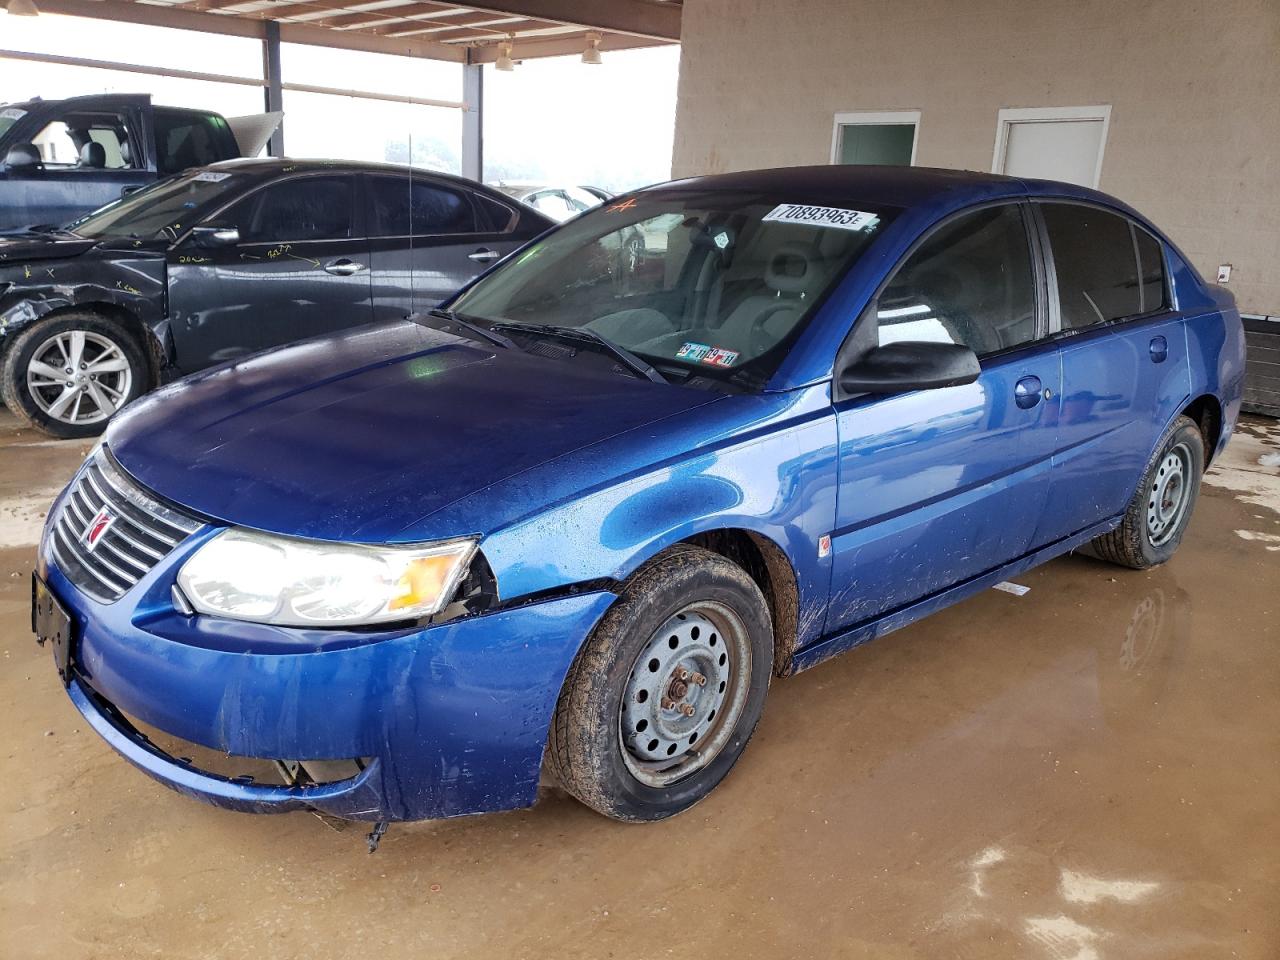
(458, 32)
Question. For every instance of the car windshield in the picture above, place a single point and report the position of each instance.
(702, 285)
(162, 210)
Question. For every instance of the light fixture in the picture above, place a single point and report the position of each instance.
(22, 8)
(504, 61)
(592, 53)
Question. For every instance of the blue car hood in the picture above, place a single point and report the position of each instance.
(356, 437)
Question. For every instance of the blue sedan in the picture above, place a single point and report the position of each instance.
(580, 517)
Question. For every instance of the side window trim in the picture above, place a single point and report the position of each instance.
(1055, 306)
(1041, 283)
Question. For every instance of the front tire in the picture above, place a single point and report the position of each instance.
(68, 374)
(666, 692)
(1158, 515)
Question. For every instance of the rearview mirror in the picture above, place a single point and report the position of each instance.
(909, 365)
(210, 237)
(22, 156)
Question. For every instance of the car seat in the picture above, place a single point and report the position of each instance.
(93, 155)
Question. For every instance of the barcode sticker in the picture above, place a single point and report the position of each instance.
(822, 217)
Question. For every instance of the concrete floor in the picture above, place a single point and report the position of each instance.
(1087, 772)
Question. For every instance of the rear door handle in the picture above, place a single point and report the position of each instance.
(484, 255)
(1026, 392)
(1159, 349)
(343, 267)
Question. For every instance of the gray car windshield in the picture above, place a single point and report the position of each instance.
(160, 211)
(702, 285)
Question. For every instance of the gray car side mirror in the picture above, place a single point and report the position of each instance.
(211, 237)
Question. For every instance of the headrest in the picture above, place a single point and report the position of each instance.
(126, 153)
(93, 154)
(23, 153)
(791, 269)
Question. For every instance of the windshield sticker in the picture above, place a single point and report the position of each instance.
(705, 353)
(692, 351)
(210, 176)
(822, 217)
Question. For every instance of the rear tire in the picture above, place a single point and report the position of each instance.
(69, 373)
(1158, 515)
(692, 630)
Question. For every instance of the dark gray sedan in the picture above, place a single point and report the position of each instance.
(226, 260)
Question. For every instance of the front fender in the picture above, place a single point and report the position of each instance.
(776, 479)
(134, 286)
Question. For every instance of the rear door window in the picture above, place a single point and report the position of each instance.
(970, 282)
(188, 139)
(305, 208)
(1096, 263)
(425, 208)
(497, 216)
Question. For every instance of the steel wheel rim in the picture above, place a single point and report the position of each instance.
(1169, 494)
(665, 738)
(78, 377)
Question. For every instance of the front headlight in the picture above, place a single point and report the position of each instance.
(309, 583)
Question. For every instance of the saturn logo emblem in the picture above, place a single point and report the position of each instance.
(97, 528)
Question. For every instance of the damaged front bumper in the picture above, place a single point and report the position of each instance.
(448, 720)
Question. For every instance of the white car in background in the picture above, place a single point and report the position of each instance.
(557, 202)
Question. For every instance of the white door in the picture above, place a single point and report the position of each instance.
(1064, 143)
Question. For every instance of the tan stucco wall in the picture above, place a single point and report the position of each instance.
(1194, 87)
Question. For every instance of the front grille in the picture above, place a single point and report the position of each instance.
(140, 533)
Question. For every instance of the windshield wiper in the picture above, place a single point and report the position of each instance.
(628, 358)
(483, 332)
(50, 230)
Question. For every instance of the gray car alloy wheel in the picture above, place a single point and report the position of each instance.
(685, 694)
(79, 377)
(1168, 498)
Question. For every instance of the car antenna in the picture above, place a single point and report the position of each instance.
(413, 292)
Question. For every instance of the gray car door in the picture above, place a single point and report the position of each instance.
(427, 238)
(300, 269)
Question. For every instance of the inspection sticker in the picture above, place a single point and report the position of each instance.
(210, 176)
(822, 216)
(692, 351)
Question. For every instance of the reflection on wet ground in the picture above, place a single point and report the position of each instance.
(1086, 772)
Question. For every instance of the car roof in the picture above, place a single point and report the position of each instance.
(268, 167)
(85, 100)
(890, 185)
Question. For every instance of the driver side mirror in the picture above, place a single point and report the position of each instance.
(213, 237)
(22, 156)
(909, 365)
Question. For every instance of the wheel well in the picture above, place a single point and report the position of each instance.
(130, 323)
(766, 564)
(1207, 413)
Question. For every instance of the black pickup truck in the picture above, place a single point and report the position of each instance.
(65, 158)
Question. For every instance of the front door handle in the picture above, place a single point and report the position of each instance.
(1026, 392)
(343, 267)
(484, 255)
(1159, 349)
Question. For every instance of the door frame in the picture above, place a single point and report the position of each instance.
(870, 118)
(1011, 115)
